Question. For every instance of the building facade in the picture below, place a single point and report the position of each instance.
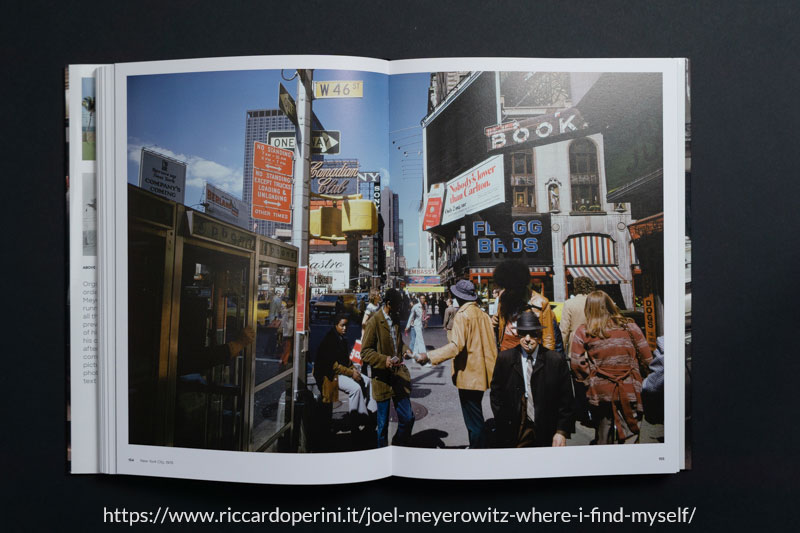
(551, 132)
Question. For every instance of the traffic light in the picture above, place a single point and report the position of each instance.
(355, 218)
(360, 217)
(326, 223)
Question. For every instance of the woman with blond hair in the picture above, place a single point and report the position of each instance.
(606, 354)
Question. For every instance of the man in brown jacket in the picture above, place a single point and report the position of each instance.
(383, 349)
(473, 350)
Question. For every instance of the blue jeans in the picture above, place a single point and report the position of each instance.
(473, 416)
(405, 421)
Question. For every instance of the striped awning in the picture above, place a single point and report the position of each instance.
(589, 250)
(601, 275)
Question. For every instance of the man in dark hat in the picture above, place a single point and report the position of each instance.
(531, 392)
(471, 345)
(383, 349)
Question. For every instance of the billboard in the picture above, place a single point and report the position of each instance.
(335, 266)
(162, 175)
(476, 189)
(226, 207)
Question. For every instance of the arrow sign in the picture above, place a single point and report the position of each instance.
(326, 142)
(287, 105)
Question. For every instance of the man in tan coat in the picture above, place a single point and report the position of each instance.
(572, 314)
(383, 349)
(473, 350)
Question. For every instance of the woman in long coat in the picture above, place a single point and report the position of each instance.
(415, 325)
(606, 355)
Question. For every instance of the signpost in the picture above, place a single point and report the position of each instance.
(322, 142)
(339, 89)
(287, 105)
(272, 183)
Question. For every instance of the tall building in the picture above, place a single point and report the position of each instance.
(396, 224)
(258, 124)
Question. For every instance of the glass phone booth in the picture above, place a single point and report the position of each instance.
(195, 283)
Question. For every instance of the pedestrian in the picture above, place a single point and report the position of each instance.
(473, 350)
(383, 349)
(652, 426)
(514, 296)
(414, 324)
(572, 317)
(572, 314)
(449, 313)
(443, 305)
(287, 332)
(339, 306)
(606, 354)
(372, 306)
(541, 308)
(531, 392)
(334, 372)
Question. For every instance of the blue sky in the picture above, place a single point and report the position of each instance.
(199, 118)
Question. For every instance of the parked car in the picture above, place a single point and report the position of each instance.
(325, 305)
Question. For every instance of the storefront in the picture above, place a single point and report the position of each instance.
(194, 284)
(554, 214)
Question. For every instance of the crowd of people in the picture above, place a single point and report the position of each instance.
(542, 375)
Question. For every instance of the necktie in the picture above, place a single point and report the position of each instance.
(529, 371)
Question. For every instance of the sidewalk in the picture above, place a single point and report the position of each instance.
(434, 399)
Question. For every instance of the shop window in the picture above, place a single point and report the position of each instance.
(584, 177)
(523, 183)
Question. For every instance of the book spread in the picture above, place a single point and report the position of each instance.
(461, 268)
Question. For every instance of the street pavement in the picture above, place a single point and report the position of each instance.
(434, 399)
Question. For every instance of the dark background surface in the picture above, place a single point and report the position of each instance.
(745, 249)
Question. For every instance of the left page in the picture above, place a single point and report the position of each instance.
(82, 216)
(204, 300)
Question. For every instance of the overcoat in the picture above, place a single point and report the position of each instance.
(472, 348)
(551, 386)
(376, 345)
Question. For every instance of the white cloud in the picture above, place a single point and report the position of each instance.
(198, 169)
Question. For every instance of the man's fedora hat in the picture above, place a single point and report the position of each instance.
(528, 323)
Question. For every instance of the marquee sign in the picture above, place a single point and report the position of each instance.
(533, 129)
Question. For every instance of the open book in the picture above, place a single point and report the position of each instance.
(251, 238)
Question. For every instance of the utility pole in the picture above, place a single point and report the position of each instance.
(300, 207)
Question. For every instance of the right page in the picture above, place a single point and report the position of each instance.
(572, 171)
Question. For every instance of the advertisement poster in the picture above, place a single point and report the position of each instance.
(480, 187)
(335, 266)
(162, 175)
(225, 206)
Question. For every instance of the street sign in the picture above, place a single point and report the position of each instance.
(287, 105)
(272, 183)
(272, 190)
(273, 159)
(322, 142)
(338, 89)
(325, 142)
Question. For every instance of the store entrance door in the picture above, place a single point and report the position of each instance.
(209, 390)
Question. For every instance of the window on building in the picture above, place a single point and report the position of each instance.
(583, 176)
(523, 183)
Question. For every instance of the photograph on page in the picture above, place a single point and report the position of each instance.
(485, 270)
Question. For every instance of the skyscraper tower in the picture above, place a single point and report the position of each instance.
(259, 123)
